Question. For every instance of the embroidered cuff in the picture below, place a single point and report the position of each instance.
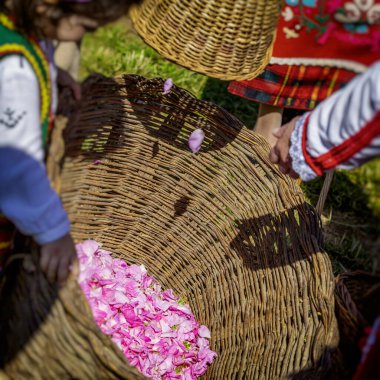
(299, 164)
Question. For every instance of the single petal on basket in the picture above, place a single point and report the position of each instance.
(168, 85)
(196, 140)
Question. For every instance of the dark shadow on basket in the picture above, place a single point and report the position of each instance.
(99, 130)
(113, 104)
(181, 205)
(26, 298)
(172, 117)
(274, 240)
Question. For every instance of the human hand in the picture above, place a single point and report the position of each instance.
(64, 79)
(73, 27)
(69, 27)
(279, 154)
(57, 258)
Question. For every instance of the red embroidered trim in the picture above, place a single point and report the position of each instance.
(343, 151)
(309, 160)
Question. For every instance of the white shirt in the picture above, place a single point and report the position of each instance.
(343, 131)
(26, 197)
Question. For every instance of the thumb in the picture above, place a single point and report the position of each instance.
(76, 88)
(74, 268)
(277, 132)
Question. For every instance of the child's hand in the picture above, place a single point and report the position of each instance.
(59, 258)
(73, 27)
(279, 154)
(64, 79)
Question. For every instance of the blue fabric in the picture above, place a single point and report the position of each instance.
(27, 198)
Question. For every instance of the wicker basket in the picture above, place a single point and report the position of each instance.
(357, 297)
(223, 228)
(48, 333)
(225, 39)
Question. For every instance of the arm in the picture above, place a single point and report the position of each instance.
(342, 132)
(26, 197)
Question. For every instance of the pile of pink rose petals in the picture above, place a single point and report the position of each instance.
(156, 331)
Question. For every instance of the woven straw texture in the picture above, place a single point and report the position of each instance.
(225, 39)
(48, 333)
(223, 228)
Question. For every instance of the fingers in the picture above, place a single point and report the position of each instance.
(86, 22)
(74, 268)
(52, 268)
(58, 268)
(274, 155)
(63, 270)
(293, 174)
(285, 168)
(48, 263)
(44, 259)
(66, 80)
(58, 259)
(278, 132)
(279, 154)
(76, 89)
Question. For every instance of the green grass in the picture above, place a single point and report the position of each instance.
(353, 229)
(354, 198)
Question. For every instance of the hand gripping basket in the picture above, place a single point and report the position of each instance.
(47, 333)
(225, 39)
(224, 228)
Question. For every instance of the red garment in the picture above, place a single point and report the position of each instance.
(292, 86)
(338, 33)
(369, 367)
(320, 45)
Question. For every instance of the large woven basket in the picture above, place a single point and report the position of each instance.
(223, 228)
(226, 39)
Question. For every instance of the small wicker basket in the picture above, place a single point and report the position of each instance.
(225, 39)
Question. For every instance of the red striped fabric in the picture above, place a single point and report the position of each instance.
(300, 87)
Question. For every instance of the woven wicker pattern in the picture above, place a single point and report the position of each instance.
(357, 297)
(364, 289)
(223, 228)
(226, 39)
(47, 333)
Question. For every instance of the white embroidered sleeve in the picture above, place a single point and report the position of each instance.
(299, 164)
(341, 132)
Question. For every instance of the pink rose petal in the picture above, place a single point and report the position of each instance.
(204, 332)
(196, 140)
(168, 85)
